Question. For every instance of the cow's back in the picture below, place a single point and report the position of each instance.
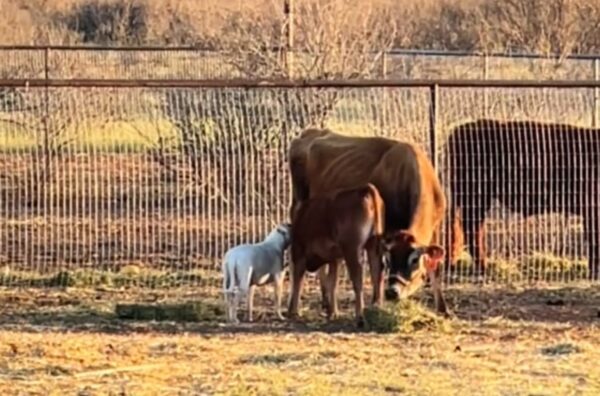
(402, 173)
(530, 166)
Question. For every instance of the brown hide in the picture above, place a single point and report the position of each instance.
(322, 161)
(532, 168)
(327, 229)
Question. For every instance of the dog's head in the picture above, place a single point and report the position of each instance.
(285, 230)
(281, 235)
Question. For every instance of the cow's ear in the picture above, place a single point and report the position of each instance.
(435, 254)
(405, 237)
(388, 242)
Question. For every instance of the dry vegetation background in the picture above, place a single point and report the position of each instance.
(543, 26)
(331, 37)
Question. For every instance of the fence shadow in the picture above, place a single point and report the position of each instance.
(577, 306)
(557, 305)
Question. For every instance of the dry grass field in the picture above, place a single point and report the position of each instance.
(514, 341)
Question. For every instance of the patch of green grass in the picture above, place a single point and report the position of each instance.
(561, 349)
(117, 136)
(185, 312)
(130, 276)
(534, 267)
(407, 316)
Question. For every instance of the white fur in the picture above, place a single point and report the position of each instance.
(249, 265)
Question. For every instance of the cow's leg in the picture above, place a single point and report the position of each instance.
(332, 283)
(374, 256)
(474, 233)
(455, 239)
(592, 233)
(356, 276)
(323, 283)
(250, 301)
(278, 286)
(438, 295)
(298, 271)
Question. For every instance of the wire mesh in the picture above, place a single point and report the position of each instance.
(190, 63)
(149, 187)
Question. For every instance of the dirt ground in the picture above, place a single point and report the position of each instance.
(515, 341)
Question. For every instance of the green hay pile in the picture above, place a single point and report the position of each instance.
(185, 312)
(407, 316)
(129, 276)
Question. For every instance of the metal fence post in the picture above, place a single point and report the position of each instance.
(46, 114)
(433, 118)
(384, 71)
(288, 11)
(596, 93)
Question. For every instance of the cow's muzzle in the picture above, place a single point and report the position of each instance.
(395, 285)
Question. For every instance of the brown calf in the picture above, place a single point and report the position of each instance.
(327, 229)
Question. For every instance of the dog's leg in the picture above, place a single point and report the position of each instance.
(250, 301)
(278, 291)
(227, 305)
(236, 302)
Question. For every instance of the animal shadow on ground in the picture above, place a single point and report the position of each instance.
(59, 310)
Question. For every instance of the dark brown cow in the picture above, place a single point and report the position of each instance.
(322, 161)
(327, 229)
(531, 168)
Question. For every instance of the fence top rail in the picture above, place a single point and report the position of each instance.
(299, 83)
(393, 51)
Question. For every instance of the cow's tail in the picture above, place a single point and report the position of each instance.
(379, 210)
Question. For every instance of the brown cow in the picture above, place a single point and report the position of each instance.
(531, 168)
(327, 229)
(322, 161)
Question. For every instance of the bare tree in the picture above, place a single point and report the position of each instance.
(539, 26)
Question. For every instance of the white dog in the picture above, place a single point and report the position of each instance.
(249, 265)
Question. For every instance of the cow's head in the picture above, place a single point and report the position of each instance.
(409, 264)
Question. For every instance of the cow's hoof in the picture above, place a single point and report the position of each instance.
(333, 315)
(360, 323)
(448, 314)
(293, 316)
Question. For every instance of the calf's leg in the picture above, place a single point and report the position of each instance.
(356, 276)
(332, 283)
(374, 253)
(298, 270)
(323, 283)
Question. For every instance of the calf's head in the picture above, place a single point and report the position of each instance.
(409, 264)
